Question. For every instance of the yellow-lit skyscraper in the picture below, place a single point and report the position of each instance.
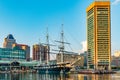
(99, 35)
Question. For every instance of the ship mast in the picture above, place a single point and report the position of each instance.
(40, 51)
(62, 45)
(48, 48)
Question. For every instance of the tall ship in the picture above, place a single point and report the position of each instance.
(55, 67)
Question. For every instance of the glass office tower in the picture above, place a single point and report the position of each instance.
(99, 35)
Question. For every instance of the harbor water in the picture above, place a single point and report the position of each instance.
(36, 76)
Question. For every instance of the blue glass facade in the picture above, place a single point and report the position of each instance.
(12, 54)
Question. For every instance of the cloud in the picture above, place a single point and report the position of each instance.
(84, 46)
(115, 2)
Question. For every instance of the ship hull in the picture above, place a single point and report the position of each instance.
(53, 70)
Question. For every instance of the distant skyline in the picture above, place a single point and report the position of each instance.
(27, 21)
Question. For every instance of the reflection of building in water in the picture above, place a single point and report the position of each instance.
(81, 77)
(94, 77)
(4, 76)
(35, 76)
(101, 77)
(48, 77)
(15, 76)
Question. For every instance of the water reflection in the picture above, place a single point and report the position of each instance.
(95, 77)
(35, 76)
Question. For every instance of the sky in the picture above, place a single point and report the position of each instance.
(27, 20)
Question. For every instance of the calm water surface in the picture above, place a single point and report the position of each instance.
(35, 76)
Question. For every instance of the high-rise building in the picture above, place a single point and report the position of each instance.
(115, 62)
(40, 52)
(84, 54)
(99, 35)
(8, 41)
(24, 47)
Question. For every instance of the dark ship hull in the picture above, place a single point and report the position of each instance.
(53, 69)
